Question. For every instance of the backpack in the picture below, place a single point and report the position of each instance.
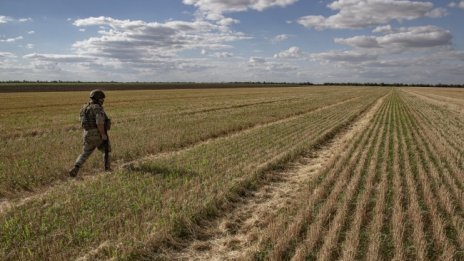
(85, 118)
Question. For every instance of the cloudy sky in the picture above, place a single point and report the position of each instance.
(233, 40)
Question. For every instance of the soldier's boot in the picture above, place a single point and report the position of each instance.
(107, 162)
(108, 167)
(73, 172)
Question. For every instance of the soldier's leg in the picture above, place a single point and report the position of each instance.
(92, 139)
(88, 148)
(87, 151)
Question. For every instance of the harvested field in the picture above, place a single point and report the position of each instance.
(279, 173)
(395, 193)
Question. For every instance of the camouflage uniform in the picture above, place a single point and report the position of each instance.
(92, 139)
(92, 117)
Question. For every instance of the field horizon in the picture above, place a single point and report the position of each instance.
(67, 86)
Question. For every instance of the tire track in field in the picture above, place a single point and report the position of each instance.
(8, 204)
(237, 233)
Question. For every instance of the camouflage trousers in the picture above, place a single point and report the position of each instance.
(92, 141)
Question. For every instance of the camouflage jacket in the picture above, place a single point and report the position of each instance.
(92, 114)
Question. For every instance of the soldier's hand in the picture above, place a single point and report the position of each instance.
(104, 137)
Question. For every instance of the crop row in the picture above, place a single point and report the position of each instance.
(131, 212)
(396, 193)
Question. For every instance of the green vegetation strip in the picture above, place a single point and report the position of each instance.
(130, 211)
(413, 179)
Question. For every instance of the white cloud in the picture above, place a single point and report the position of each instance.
(5, 55)
(11, 40)
(223, 55)
(226, 6)
(291, 53)
(437, 13)
(421, 69)
(7, 19)
(344, 56)
(137, 50)
(227, 21)
(30, 46)
(403, 38)
(217, 54)
(359, 41)
(281, 38)
(458, 54)
(256, 60)
(260, 66)
(383, 29)
(409, 55)
(417, 37)
(458, 4)
(4, 19)
(31, 32)
(215, 9)
(136, 40)
(356, 14)
(280, 68)
(24, 20)
(58, 58)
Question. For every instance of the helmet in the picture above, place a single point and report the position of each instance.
(97, 94)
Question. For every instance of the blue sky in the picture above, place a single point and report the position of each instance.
(243, 40)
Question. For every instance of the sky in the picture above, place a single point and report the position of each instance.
(390, 41)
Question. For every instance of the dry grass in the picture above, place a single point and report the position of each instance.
(145, 122)
(395, 191)
(132, 212)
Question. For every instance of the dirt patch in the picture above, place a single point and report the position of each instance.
(237, 233)
(5, 205)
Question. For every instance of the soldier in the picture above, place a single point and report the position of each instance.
(95, 123)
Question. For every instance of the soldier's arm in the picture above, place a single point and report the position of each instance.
(100, 118)
(101, 129)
